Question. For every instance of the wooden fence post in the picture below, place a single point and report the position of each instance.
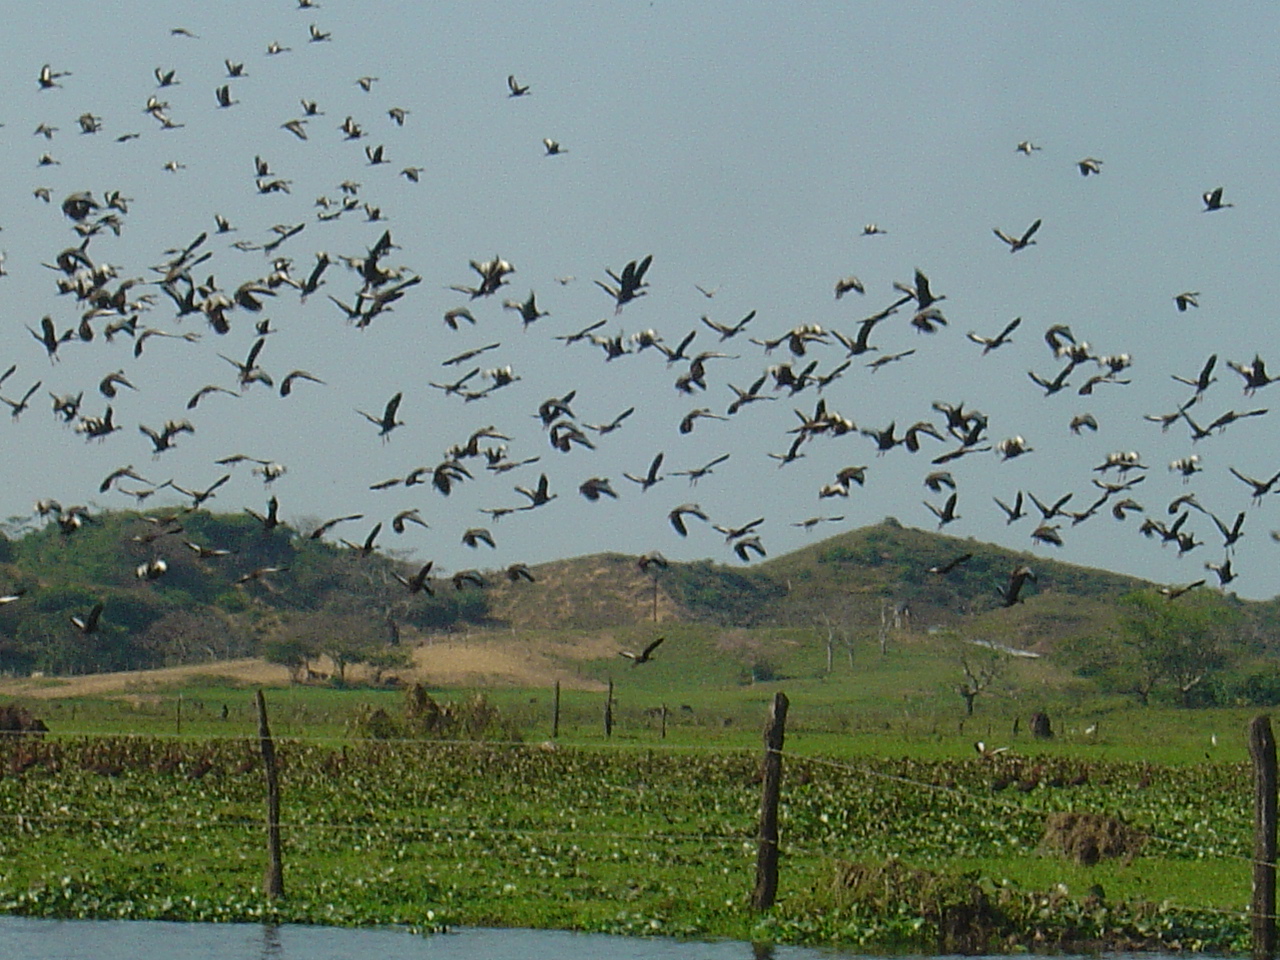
(767, 840)
(608, 712)
(273, 881)
(177, 716)
(664, 721)
(1262, 748)
(555, 713)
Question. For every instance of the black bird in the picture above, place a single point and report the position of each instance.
(1229, 534)
(947, 513)
(89, 622)
(271, 519)
(942, 569)
(1260, 487)
(418, 582)
(1018, 243)
(1011, 593)
(387, 422)
(328, 525)
(539, 496)
(630, 285)
(1213, 200)
(999, 340)
(644, 656)
(1013, 513)
(677, 515)
(366, 548)
(650, 478)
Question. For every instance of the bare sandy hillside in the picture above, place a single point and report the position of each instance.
(474, 660)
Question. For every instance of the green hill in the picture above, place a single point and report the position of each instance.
(277, 593)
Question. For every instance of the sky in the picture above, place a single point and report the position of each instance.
(744, 147)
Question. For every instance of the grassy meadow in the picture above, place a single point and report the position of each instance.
(149, 803)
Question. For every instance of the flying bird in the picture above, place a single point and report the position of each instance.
(1018, 243)
(1213, 200)
(387, 422)
(645, 655)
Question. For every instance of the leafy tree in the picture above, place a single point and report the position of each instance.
(294, 653)
(1158, 642)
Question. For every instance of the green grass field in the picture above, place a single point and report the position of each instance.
(149, 804)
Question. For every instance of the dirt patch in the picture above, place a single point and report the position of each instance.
(474, 660)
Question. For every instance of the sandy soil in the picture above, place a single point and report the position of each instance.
(473, 660)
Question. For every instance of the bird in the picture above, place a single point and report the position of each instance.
(1011, 593)
(476, 536)
(1213, 200)
(151, 570)
(519, 571)
(1018, 243)
(553, 147)
(746, 546)
(517, 89)
(1173, 591)
(528, 309)
(407, 516)
(845, 284)
(328, 525)
(651, 477)
(645, 655)
(1255, 374)
(593, 488)
(699, 473)
(999, 340)
(1047, 533)
(1186, 299)
(88, 623)
(1089, 165)
(48, 77)
(630, 284)
(539, 496)
(258, 575)
(727, 331)
(946, 513)
(1013, 513)
(942, 569)
(419, 582)
(286, 385)
(387, 422)
(16, 407)
(1260, 488)
(1082, 420)
(677, 515)
(271, 519)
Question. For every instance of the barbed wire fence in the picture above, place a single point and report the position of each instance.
(768, 832)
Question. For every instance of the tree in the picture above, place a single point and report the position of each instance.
(295, 653)
(1159, 642)
(978, 680)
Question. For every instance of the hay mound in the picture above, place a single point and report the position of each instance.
(1087, 838)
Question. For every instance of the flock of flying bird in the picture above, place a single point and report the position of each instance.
(101, 304)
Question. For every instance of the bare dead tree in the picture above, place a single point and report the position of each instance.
(975, 682)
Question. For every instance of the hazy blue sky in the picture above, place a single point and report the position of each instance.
(744, 146)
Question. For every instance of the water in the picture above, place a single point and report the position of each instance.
(141, 940)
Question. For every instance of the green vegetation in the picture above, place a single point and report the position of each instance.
(450, 806)
(630, 839)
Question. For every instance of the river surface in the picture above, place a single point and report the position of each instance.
(144, 940)
(29, 939)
